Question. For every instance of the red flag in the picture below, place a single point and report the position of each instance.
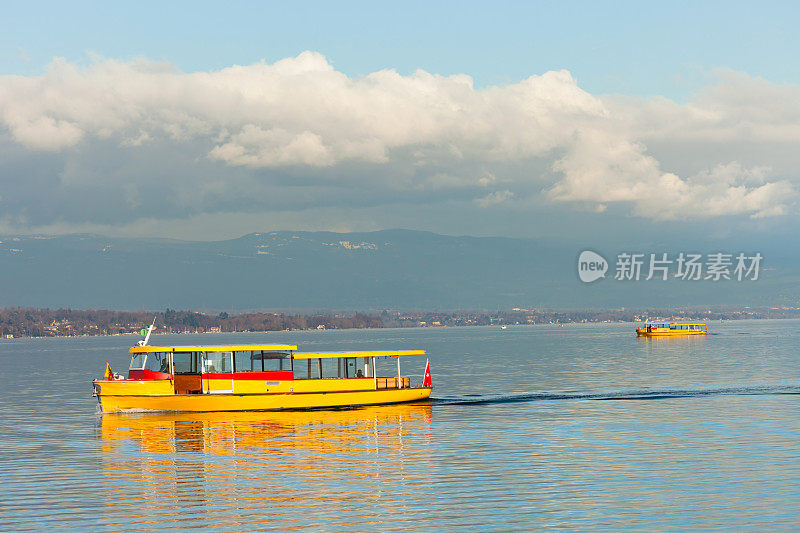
(426, 381)
(109, 375)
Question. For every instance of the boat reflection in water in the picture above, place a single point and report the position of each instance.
(265, 469)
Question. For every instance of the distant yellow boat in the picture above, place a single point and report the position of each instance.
(253, 378)
(670, 329)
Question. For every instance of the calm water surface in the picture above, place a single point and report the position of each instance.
(581, 427)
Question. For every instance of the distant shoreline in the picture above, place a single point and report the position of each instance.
(36, 323)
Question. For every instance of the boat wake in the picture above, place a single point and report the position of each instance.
(621, 394)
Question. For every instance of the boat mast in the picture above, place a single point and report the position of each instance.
(149, 331)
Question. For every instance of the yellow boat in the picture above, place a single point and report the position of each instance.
(253, 377)
(670, 329)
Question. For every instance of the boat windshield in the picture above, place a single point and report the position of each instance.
(137, 361)
(157, 362)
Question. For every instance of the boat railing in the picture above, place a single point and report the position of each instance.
(391, 383)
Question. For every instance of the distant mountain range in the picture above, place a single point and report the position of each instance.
(300, 271)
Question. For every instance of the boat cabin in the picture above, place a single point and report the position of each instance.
(666, 326)
(262, 368)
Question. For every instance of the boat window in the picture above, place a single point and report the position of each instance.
(260, 361)
(157, 362)
(331, 368)
(300, 370)
(350, 367)
(217, 362)
(247, 361)
(276, 364)
(307, 368)
(137, 361)
(185, 362)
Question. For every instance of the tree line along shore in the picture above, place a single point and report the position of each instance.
(30, 322)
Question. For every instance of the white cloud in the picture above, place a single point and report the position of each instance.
(21, 54)
(425, 132)
(255, 147)
(495, 198)
(301, 103)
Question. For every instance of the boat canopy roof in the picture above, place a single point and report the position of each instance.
(238, 348)
(373, 353)
(648, 323)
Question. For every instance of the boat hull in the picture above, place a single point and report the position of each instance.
(111, 403)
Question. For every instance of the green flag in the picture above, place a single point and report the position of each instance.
(144, 332)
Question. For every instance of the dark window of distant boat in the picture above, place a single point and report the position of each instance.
(157, 362)
(137, 361)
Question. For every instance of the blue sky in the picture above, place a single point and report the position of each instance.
(210, 120)
(633, 48)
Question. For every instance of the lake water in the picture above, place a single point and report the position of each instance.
(580, 427)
